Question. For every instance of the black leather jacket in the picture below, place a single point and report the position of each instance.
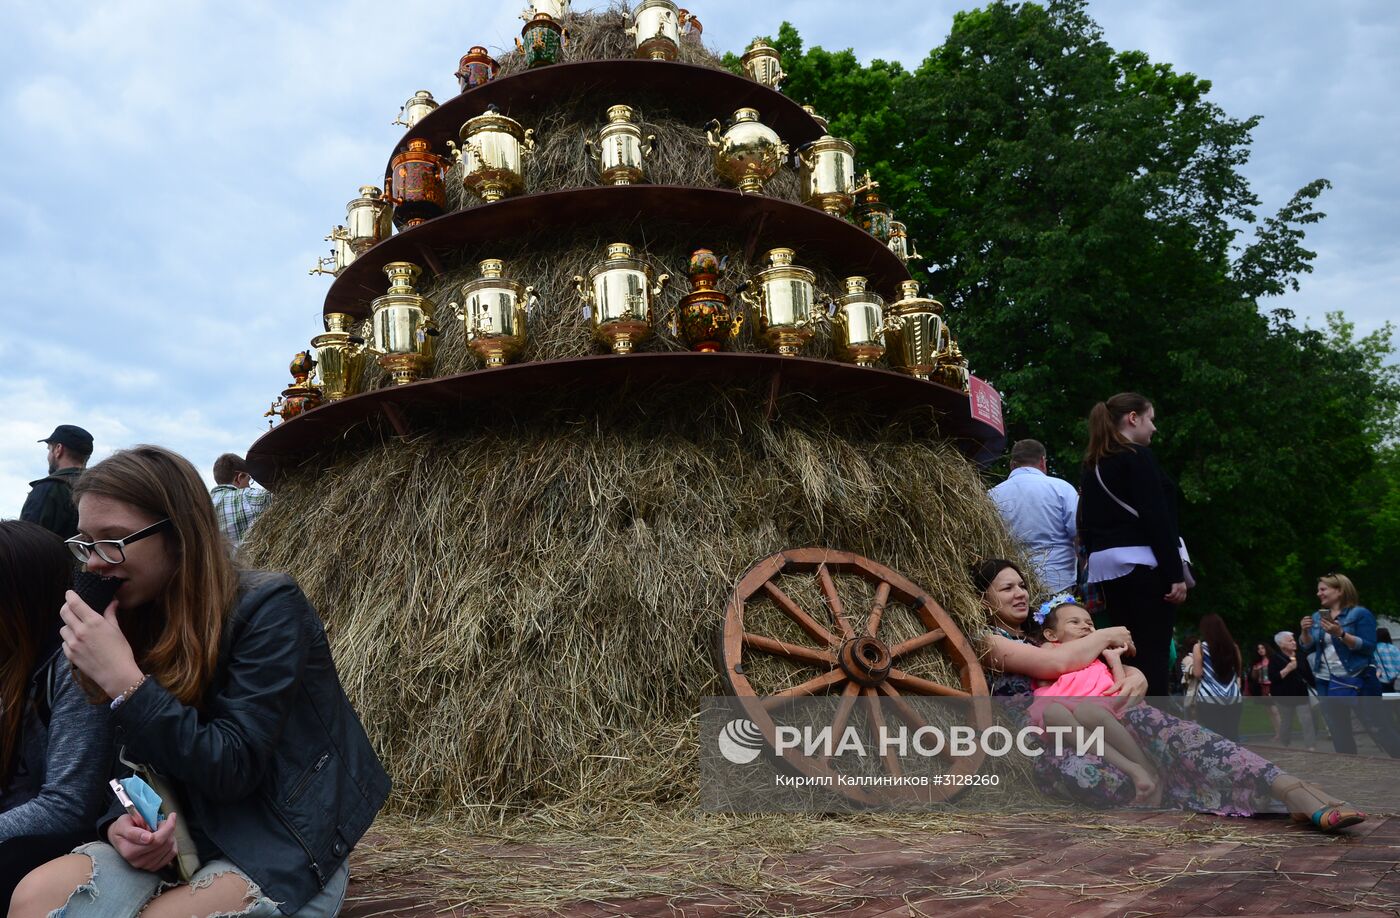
(277, 772)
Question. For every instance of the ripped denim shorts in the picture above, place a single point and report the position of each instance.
(119, 890)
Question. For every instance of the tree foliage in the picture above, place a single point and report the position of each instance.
(1085, 218)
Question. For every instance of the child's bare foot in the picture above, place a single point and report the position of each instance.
(1149, 789)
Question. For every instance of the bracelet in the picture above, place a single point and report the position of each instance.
(120, 699)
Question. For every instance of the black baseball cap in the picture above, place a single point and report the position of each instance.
(71, 436)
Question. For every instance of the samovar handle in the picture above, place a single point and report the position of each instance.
(711, 127)
(585, 295)
(321, 263)
(913, 252)
(532, 298)
(398, 119)
(661, 282)
(649, 146)
(743, 292)
(528, 144)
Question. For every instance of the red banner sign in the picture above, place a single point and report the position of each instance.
(986, 403)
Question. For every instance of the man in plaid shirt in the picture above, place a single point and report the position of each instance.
(236, 505)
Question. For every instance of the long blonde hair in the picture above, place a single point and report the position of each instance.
(178, 645)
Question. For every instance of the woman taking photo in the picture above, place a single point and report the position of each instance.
(1215, 661)
(55, 747)
(225, 698)
(1199, 770)
(1127, 509)
(1340, 640)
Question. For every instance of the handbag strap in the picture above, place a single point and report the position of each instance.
(1115, 497)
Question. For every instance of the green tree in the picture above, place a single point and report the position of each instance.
(1083, 214)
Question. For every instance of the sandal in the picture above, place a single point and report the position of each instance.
(1332, 816)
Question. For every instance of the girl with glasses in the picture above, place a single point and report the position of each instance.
(224, 699)
(55, 747)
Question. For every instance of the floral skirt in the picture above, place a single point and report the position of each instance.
(1200, 770)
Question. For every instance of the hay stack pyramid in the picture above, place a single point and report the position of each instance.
(523, 568)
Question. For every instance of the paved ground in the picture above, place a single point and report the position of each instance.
(1128, 863)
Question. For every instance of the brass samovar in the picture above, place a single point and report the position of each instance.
(620, 150)
(493, 314)
(617, 296)
(368, 219)
(782, 301)
(873, 215)
(301, 396)
(915, 332)
(763, 63)
(748, 153)
(492, 153)
(900, 245)
(858, 328)
(419, 106)
(341, 254)
(656, 28)
(404, 328)
(829, 175)
(340, 357)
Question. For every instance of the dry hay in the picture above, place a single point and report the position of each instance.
(522, 606)
(600, 36)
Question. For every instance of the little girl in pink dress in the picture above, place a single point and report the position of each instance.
(1061, 703)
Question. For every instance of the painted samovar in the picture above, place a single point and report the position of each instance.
(404, 328)
(542, 41)
(656, 28)
(691, 28)
(763, 64)
(301, 396)
(900, 244)
(476, 68)
(415, 183)
(493, 314)
(858, 327)
(915, 332)
(419, 106)
(368, 219)
(873, 215)
(620, 150)
(783, 303)
(340, 354)
(703, 319)
(829, 174)
(748, 153)
(341, 254)
(617, 297)
(492, 152)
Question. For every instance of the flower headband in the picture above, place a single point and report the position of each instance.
(1051, 604)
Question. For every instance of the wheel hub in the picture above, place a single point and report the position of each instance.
(866, 660)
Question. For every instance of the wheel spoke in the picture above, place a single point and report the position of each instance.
(838, 611)
(877, 726)
(810, 687)
(906, 711)
(921, 686)
(877, 611)
(905, 648)
(793, 611)
(794, 652)
(843, 710)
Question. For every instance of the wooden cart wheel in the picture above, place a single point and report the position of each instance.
(840, 655)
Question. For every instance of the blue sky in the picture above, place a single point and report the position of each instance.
(172, 168)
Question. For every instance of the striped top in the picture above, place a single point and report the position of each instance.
(1212, 690)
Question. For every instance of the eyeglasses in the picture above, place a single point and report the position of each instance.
(113, 551)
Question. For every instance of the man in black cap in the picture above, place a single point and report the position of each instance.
(50, 501)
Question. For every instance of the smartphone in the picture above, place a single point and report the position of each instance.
(125, 800)
(95, 590)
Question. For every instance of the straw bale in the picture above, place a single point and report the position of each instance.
(523, 602)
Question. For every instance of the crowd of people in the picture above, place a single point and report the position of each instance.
(163, 659)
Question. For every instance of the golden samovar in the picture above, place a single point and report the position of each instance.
(829, 175)
(783, 301)
(656, 27)
(858, 328)
(493, 314)
(952, 367)
(620, 150)
(492, 155)
(899, 243)
(748, 153)
(404, 328)
(341, 254)
(617, 296)
(555, 9)
(420, 105)
(301, 396)
(368, 219)
(763, 63)
(915, 332)
(340, 354)
(873, 215)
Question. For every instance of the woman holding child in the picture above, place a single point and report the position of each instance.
(1190, 767)
(224, 698)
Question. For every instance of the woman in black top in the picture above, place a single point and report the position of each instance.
(1127, 510)
(1289, 677)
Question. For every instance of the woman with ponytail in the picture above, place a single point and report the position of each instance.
(1128, 523)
